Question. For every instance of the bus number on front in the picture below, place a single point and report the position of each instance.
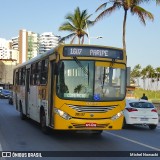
(75, 51)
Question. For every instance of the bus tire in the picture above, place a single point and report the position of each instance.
(44, 128)
(22, 115)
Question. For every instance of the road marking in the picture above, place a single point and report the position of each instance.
(133, 141)
(2, 158)
(0, 147)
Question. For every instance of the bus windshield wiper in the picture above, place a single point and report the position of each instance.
(80, 65)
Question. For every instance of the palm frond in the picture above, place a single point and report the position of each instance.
(76, 24)
(142, 14)
(158, 2)
(67, 37)
(102, 6)
(108, 11)
(67, 27)
(77, 17)
(70, 17)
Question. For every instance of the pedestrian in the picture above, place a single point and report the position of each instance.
(144, 97)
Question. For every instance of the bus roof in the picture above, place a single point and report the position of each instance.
(51, 51)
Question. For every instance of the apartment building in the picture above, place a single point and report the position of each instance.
(8, 59)
(47, 40)
(22, 48)
(27, 45)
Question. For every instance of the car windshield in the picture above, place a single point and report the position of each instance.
(141, 105)
(85, 80)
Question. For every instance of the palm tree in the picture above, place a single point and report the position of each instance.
(127, 5)
(76, 24)
(157, 76)
(144, 76)
(136, 73)
(150, 75)
(158, 1)
(78, 88)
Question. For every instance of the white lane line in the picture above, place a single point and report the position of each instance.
(133, 141)
(0, 147)
(1, 158)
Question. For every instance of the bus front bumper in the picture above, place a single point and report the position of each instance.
(87, 124)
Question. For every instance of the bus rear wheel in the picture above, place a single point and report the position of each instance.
(22, 115)
(44, 128)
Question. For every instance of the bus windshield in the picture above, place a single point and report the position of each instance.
(83, 80)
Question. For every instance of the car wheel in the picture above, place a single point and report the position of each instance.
(152, 126)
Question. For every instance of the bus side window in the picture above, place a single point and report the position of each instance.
(17, 78)
(38, 73)
(44, 70)
(32, 76)
(23, 72)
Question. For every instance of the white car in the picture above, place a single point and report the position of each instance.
(140, 112)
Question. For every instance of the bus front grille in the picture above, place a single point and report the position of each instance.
(92, 109)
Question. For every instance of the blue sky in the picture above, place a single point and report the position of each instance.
(143, 42)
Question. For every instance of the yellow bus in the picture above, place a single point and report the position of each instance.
(73, 87)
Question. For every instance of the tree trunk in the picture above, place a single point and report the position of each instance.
(124, 30)
(79, 40)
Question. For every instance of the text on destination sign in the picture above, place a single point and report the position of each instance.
(93, 52)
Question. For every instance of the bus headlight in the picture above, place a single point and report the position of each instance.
(62, 114)
(117, 115)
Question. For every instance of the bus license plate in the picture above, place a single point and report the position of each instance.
(91, 125)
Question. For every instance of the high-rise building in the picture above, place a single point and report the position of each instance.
(47, 40)
(22, 48)
(14, 44)
(28, 45)
(33, 45)
(6, 51)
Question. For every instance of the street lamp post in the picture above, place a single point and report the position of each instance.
(89, 38)
(98, 37)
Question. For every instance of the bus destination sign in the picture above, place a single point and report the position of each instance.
(79, 51)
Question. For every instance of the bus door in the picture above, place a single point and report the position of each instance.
(51, 91)
(27, 90)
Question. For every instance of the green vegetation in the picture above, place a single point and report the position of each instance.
(127, 5)
(76, 24)
(149, 75)
(152, 95)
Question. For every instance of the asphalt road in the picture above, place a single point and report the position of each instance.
(20, 135)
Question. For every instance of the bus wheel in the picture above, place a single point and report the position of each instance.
(43, 123)
(22, 115)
